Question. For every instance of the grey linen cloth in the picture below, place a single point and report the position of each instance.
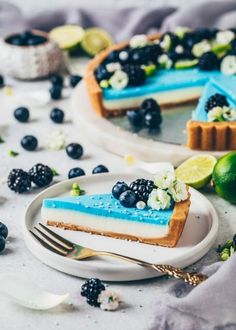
(209, 306)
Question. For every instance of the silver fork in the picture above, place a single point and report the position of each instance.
(58, 244)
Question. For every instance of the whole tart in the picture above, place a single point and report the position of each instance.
(169, 87)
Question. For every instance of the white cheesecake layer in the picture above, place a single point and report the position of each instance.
(163, 98)
(104, 224)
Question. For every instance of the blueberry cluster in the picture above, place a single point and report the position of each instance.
(148, 116)
(20, 181)
(57, 84)
(27, 38)
(216, 100)
(3, 236)
(130, 195)
(91, 290)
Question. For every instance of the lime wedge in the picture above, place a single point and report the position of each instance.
(196, 171)
(219, 49)
(67, 37)
(186, 64)
(95, 40)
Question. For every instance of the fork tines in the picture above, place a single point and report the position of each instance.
(52, 241)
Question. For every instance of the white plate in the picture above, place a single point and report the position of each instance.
(198, 236)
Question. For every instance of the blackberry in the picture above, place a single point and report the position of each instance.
(216, 100)
(41, 175)
(91, 290)
(136, 75)
(208, 62)
(101, 73)
(19, 181)
(142, 188)
(113, 56)
(150, 105)
(138, 56)
(135, 118)
(152, 52)
(204, 33)
(152, 119)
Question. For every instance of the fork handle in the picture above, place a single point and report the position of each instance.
(190, 278)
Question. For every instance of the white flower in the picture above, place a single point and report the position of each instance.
(56, 140)
(159, 199)
(164, 179)
(119, 80)
(109, 300)
(229, 114)
(113, 66)
(228, 65)
(178, 191)
(165, 61)
(224, 37)
(139, 40)
(201, 48)
(215, 114)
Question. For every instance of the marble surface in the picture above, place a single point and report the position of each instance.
(139, 297)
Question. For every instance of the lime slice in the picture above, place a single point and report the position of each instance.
(95, 40)
(219, 49)
(67, 37)
(186, 64)
(196, 171)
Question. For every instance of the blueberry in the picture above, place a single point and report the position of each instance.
(29, 142)
(3, 230)
(2, 243)
(100, 169)
(22, 114)
(74, 150)
(150, 104)
(135, 118)
(55, 92)
(74, 80)
(128, 198)
(75, 172)
(152, 119)
(57, 80)
(1, 81)
(119, 188)
(57, 115)
(15, 40)
(36, 40)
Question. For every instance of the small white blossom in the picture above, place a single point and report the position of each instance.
(139, 40)
(159, 199)
(224, 37)
(113, 66)
(228, 65)
(229, 114)
(119, 80)
(56, 140)
(109, 300)
(178, 191)
(164, 179)
(215, 114)
(201, 48)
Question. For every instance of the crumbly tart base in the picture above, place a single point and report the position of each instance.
(211, 136)
(176, 227)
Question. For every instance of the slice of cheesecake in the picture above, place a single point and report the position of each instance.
(104, 215)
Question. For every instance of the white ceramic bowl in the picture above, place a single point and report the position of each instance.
(30, 62)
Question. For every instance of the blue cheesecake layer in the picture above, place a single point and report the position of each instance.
(106, 205)
(224, 85)
(164, 80)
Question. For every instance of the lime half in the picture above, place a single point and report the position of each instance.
(196, 171)
(186, 64)
(67, 37)
(95, 40)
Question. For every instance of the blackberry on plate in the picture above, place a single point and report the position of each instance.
(135, 118)
(3, 230)
(29, 142)
(189, 39)
(1, 81)
(136, 75)
(75, 172)
(41, 175)
(128, 198)
(152, 119)
(57, 80)
(208, 61)
(138, 56)
(55, 92)
(142, 188)
(113, 56)
(2, 243)
(57, 115)
(174, 56)
(119, 188)
(19, 181)
(204, 33)
(216, 100)
(100, 169)
(74, 150)
(75, 79)
(150, 105)
(22, 114)
(91, 290)
(101, 73)
(151, 52)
